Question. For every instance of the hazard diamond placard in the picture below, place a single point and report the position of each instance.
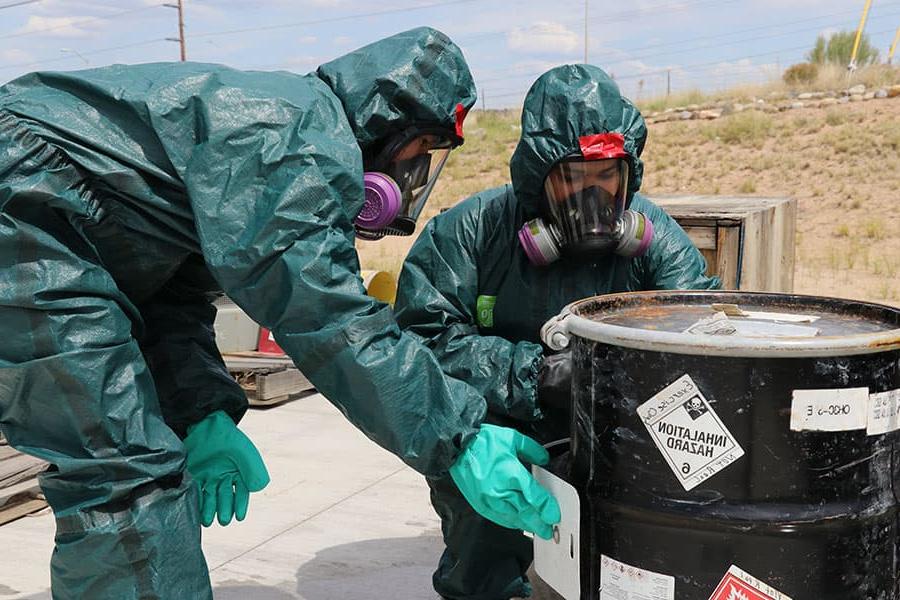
(739, 585)
(690, 435)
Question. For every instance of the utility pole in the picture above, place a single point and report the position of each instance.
(180, 38)
(862, 25)
(668, 82)
(483, 101)
(894, 46)
(585, 31)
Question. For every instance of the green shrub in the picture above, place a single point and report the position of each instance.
(801, 74)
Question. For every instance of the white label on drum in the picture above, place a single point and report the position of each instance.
(884, 412)
(619, 581)
(830, 410)
(688, 432)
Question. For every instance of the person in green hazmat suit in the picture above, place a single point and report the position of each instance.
(129, 197)
(483, 277)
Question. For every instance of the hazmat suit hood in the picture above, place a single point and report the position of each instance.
(414, 78)
(563, 105)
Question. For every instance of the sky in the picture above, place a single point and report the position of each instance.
(646, 45)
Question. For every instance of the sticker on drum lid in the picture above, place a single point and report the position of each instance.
(688, 432)
(619, 581)
(739, 585)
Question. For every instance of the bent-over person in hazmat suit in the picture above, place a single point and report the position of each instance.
(129, 197)
(484, 277)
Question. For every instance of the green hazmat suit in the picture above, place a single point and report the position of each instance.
(468, 290)
(129, 197)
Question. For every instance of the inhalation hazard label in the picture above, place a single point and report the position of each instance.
(738, 585)
(688, 432)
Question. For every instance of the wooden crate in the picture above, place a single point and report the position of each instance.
(748, 242)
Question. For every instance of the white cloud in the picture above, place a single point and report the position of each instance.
(343, 40)
(544, 37)
(307, 39)
(68, 27)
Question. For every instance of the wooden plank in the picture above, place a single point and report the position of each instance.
(24, 489)
(281, 383)
(785, 227)
(694, 221)
(773, 245)
(16, 467)
(711, 261)
(703, 237)
(280, 399)
(22, 509)
(243, 361)
(754, 261)
(726, 265)
(714, 206)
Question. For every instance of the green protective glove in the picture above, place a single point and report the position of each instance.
(491, 476)
(226, 465)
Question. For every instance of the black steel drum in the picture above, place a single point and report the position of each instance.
(754, 461)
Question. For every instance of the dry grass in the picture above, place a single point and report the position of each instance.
(841, 164)
(831, 77)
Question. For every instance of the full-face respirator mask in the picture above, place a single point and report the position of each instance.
(585, 214)
(398, 180)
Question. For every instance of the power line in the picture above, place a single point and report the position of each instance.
(90, 53)
(731, 43)
(20, 3)
(689, 67)
(78, 22)
(609, 18)
(354, 16)
(612, 17)
(676, 6)
(683, 50)
(674, 43)
(750, 30)
(210, 34)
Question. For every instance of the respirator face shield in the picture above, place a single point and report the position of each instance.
(584, 213)
(398, 181)
(585, 201)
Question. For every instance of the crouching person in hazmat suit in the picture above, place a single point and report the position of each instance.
(129, 195)
(484, 277)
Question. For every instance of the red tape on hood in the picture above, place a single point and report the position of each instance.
(461, 113)
(602, 145)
